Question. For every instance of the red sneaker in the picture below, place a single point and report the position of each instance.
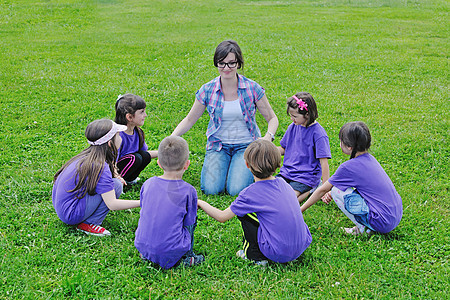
(93, 229)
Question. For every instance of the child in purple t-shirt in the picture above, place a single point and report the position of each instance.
(360, 187)
(133, 153)
(305, 147)
(87, 186)
(268, 209)
(165, 233)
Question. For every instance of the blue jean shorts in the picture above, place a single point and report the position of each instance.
(355, 204)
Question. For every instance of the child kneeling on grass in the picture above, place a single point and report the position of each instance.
(268, 209)
(165, 233)
(360, 187)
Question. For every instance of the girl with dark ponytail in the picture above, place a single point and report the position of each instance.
(360, 187)
(134, 155)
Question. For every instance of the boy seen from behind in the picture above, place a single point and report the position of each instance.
(268, 209)
(168, 217)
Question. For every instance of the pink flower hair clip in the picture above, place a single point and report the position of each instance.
(301, 104)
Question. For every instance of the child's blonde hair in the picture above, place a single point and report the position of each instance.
(173, 152)
(263, 158)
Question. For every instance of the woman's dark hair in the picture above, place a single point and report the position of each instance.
(311, 109)
(355, 135)
(91, 160)
(226, 47)
(129, 104)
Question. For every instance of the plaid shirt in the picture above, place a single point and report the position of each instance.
(211, 95)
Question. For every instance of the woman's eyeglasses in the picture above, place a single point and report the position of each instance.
(231, 64)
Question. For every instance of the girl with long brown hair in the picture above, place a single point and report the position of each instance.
(88, 185)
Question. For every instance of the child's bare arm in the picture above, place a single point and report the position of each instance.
(117, 175)
(215, 213)
(281, 149)
(325, 169)
(153, 153)
(317, 195)
(117, 204)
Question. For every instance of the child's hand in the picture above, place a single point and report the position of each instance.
(122, 180)
(327, 198)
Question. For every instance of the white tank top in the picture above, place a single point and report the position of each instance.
(233, 129)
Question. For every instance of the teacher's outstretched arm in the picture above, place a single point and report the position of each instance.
(194, 114)
(266, 110)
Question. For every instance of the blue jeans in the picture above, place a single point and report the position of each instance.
(96, 209)
(225, 169)
(357, 206)
(353, 205)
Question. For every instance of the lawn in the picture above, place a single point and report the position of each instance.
(63, 63)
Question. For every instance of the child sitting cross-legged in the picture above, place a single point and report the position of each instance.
(268, 209)
(168, 217)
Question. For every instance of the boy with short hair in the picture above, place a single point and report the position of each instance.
(168, 217)
(268, 209)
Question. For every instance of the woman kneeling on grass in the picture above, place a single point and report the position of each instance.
(231, 101)
(360, 187)
(87, 186)
(268, 209)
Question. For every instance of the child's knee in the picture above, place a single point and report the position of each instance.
(143, 158)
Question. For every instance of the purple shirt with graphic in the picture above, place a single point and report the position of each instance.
(303, 148)
(68, 207)
(366, 175)
(167, 206)
(130, 144)
(282, 234)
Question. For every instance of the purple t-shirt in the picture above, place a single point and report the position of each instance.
(366, 175)
(167, 206)
(130, 144)
(282, 234)
(68, 208)
(303, 148)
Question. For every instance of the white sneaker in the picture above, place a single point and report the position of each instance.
(134, 181)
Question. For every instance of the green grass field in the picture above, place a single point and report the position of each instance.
(63, 63)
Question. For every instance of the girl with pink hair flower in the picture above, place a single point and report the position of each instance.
(305, 147)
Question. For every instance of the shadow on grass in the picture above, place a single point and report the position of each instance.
(391, 236)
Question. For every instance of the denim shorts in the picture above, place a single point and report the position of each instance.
(298, 186)
(355, 204)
